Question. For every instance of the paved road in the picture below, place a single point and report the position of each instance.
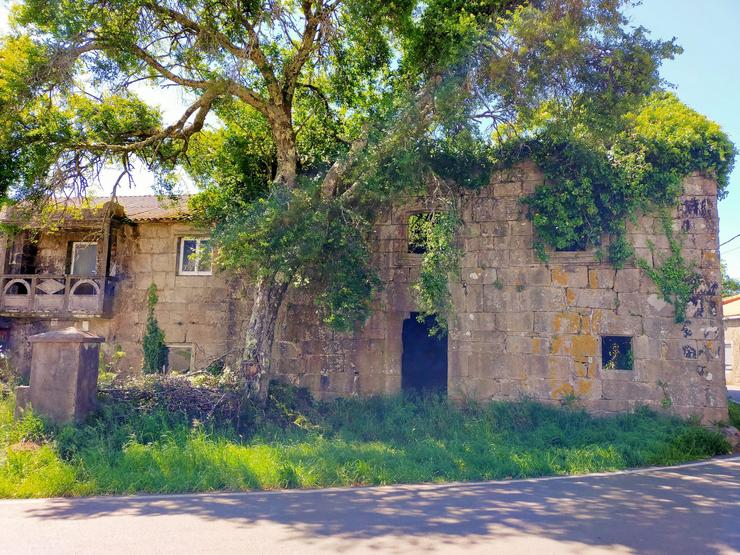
(691, 509)
(733, 392)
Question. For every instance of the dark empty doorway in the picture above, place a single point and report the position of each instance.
(424, 360)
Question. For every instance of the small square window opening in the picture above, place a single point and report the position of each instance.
(616, 352)
(419, 228)
(578, 245)
(179, 358)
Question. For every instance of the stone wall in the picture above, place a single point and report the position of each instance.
(524, 327)
(521, 327)
(192, 310)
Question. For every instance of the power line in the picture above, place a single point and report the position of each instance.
(730, 239)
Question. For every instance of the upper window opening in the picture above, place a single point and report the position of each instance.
(616, 352)
(419, 229)
(84, 259)
(196, 256)
(577, 246)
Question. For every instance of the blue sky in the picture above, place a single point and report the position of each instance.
(706, 77)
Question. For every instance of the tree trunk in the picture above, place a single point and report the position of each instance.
(285, 146)
(269, 290)
(256, 358)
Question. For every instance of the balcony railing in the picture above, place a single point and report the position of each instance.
(55, 295)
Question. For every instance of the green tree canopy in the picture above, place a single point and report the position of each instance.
(326, 111)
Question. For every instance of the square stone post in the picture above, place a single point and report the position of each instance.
(64, 375)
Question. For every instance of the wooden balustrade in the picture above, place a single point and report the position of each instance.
(38, 295)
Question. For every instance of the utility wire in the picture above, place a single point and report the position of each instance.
(730, 239)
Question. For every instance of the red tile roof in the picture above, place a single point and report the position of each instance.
(150, 207)
(139, 208)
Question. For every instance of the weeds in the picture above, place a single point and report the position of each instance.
(734, 409)
(296, 442)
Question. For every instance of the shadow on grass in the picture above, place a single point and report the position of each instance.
(687, 510)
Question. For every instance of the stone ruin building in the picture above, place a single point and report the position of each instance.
(521, 326)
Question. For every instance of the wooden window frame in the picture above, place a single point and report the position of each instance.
(75, 244)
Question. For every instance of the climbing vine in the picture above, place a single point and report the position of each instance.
(595, 184)
(440, 259)
(676, 278)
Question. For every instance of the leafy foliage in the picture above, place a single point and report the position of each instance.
(328, 112)
(676, 278)
(439, 261)
(155, 350)
(730, 285)
(137, 445)
(595, 183)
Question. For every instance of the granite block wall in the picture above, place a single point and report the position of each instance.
(521, 326)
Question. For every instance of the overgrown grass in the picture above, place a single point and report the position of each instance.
(299, 443)
(734, 409)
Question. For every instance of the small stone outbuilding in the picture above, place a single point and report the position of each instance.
(731, 321)
(572, 329)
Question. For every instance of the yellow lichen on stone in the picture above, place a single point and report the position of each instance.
(559, 277)
(583, 387)
(567, 322)
(584, 347)
(593, 279)
(563, 390)
(560, 345)
(595, 319)
(536, 344)
(570, 296)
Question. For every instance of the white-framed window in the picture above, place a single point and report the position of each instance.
(195, 256)
(179, 357)
(728, 356)
(84, 259)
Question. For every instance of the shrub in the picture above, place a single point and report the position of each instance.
(155, 441)
(734, 409)
(155, 350)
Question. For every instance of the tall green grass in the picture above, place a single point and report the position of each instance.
(734, 410)
(381, 440)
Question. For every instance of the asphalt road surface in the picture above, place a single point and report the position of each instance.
(693, 509)
(733, 392)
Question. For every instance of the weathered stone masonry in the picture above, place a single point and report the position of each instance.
(524, 327)
(520, 327)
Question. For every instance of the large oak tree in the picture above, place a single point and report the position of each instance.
(326, 110)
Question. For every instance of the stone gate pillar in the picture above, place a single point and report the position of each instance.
(64, 375)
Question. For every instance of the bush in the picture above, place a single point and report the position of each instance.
(155, 350)
(734, 409)
(176, 398)
(165, 438)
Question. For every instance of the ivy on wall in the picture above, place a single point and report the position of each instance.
(676, 278)
(441, 258)
(595, 182)
(594, 185)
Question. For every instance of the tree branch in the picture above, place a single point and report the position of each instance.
(308, 42)
(340, 168)
(177, 130)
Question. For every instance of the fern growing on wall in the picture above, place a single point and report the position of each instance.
(155, 350)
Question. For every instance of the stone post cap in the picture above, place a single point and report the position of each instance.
(66, 335)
